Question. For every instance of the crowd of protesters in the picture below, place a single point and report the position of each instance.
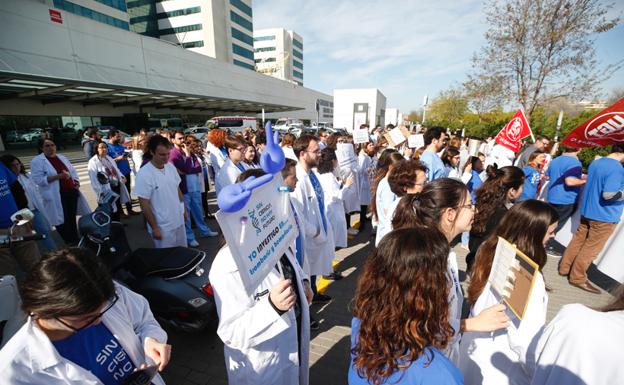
(408, 325)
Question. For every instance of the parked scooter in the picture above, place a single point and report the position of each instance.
(173, 280)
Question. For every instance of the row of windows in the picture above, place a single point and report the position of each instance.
(326, 103)
(119, 4)
(186, 28)
(265, 49)
(138, 3)
(297, 74)
(244, 65)
(91, 14)
(179, 12)
(264, 38)
(242, 6)
(236, 34)
(297, 54)
(244, 52)
(298, 64)
(238, 19)
(298, 44)
(267, 60)
(193, 44)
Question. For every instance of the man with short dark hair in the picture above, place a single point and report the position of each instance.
(434, 142)
(117, 151)
(601, 211)
(319, 242)
(541, 144)
(89, 142)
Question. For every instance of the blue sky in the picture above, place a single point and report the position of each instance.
(405, 48)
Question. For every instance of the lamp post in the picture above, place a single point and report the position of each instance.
(425, 100)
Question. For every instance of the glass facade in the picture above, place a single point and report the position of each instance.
(91, 14)
(119, 4)
(264, 38)
(244, 65)
(236, 34)
(267, 60)
(265, 49)
(186, 28)
(298, 44)
(297, 74)
(238, 19)
(298, 64)
(297, 54)
(244, 52)
(193, 44)
(143, 17)
(242, 7)
(179, 12)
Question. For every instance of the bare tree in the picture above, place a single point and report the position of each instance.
(537, 50)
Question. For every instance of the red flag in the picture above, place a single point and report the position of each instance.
(603, 129)
(512, 134)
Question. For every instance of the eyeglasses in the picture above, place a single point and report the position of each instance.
(470, 206)
(314, 152)
(110, 304)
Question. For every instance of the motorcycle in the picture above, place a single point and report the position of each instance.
(173, 280)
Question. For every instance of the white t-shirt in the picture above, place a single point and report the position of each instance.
(160, 186)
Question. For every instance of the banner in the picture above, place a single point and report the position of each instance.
(603, 129)
(512, 134)
(260, 232)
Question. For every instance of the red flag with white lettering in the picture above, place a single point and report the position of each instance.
(512, 134)
(603, 129)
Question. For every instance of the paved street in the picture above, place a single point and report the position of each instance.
(198, 358)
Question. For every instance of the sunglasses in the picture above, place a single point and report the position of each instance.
(110, 304)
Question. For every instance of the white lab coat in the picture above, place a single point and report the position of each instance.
(580, 346)
(30, 358)
(319, 250)
(499, 358)
(365, 163)
(40, 169)
(227, 175)
(455, 301)
(500, 155)
(95, 165)
(35, 202)
(260, 346)
(334, 207)
(289, 153)
(216, 158)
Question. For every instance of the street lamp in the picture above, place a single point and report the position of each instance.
(425, 100)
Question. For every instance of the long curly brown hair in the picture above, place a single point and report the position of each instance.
(401, 301)
(493, 193)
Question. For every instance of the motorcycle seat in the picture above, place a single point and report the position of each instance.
(168, 263)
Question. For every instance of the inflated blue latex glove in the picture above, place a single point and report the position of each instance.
(272, 159)
(234, 197)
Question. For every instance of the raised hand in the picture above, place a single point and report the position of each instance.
(234, 197)
(272, 159)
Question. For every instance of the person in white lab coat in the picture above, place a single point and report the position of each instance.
(334, 191)
(366, 170)
(446, 204)
(319, 244)
(383, 198)
(83, 328)
(580, 346)
(500, 357)
(233, 165)
(101, 162)
(266, 333)
(59, 185)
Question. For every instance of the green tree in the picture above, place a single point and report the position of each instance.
(448, 108)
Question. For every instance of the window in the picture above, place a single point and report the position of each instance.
(264, 38)
(119, 4)
(298, 44)
(186, 28)
(238, 19)
(244, 52)
(265, 49)
(242, 7)
(297, 74)
(236, 34)
(267, 60)
(179, 12)
(299, 83)
(91, 14)
(297, 54)
(298, 64)
(244, 65)
(193, 44)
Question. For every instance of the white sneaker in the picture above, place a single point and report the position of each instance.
(352, 231)
(193, 243)
(210, 234)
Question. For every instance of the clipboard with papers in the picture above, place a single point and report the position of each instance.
(512, 276)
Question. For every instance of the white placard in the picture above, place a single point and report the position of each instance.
(397, 136)
(473, 147)
(502, 264)
(346, 155)
(260, 232)
(360, 136)
(416, 141)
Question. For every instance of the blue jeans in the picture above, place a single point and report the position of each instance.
(42, 227)
(192, 201)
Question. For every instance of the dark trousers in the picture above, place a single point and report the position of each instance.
(204, 199)
(313, 284)
(129, 204)
(565, 212)
(116, 216)
(363, 211)
(68, 230)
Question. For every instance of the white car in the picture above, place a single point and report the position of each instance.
(32, 134)
(285, 125)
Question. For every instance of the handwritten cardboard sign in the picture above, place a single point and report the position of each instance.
(416, 141)
(360, 136)
(260, 232)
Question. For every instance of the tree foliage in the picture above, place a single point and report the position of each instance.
(448, 108)
(537, 50)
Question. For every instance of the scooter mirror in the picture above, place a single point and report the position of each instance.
(102, 178)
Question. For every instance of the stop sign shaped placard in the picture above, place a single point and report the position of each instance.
(602, 129)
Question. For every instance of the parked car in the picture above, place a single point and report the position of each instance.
(284, 125)
(33, 134)
(232, 124)
(198, 132)
(13, 136)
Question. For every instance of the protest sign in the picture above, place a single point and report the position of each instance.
(603, 129)
(473, 147)
(512, 276)
(397, 136)
(260, 232)
(416, 141)
(512, 134)
(346, 155)
(360, 136)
